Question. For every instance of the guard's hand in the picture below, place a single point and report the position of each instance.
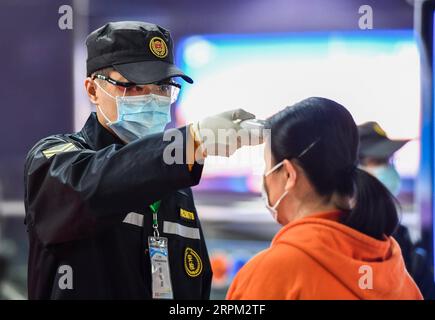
(222, 134)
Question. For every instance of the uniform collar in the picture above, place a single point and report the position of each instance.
(96, 135)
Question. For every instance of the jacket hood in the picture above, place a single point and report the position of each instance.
(369, 268)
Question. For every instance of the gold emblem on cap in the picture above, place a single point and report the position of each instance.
(158, 47)
(379, 130)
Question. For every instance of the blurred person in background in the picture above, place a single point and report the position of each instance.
(107, 216)
(376, 156)
(3, 260)
(337, 219)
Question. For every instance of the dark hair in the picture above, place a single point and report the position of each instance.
(331, 163)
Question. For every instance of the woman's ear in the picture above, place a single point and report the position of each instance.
(292, 174)
(91, 90)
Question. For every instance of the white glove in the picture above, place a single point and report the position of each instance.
(221, 134)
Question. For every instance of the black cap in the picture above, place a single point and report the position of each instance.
(142, 52)
(374, 142)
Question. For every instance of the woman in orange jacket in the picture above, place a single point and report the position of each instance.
(337, 219)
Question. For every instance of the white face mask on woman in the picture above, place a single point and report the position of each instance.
(272, 209)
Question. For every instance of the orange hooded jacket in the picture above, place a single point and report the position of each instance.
(319, 258)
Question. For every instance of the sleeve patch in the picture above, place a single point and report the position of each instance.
(65, 147)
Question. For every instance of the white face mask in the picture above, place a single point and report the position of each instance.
(272, 209)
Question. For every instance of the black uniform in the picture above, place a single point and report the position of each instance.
(87, 198)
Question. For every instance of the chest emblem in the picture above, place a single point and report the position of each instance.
(192, 263)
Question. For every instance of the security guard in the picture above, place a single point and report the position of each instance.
(108, 216)
(376, 155)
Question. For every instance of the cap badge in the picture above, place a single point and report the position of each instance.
(158, 47)
(379, 130)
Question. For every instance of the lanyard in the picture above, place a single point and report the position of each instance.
(158, 249)
(154, 209)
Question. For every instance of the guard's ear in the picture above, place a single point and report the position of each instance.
(292, 174)
(91, 90)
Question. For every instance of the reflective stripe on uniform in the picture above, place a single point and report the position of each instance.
(65, 147)
(180, 230)
(168, 227)
(134, 218)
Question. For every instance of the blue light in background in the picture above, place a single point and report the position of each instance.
(195, 54)
(433, 139)
(231, 70)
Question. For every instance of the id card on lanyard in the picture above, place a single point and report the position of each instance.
(158, 250)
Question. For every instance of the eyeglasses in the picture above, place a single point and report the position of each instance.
(162, 88)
